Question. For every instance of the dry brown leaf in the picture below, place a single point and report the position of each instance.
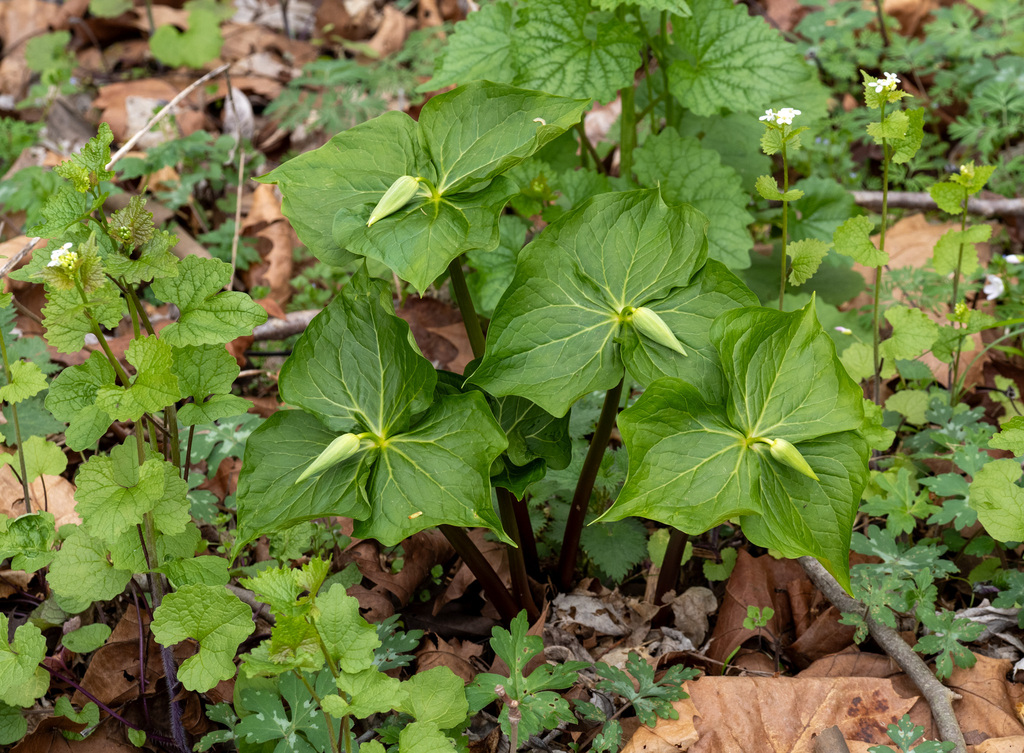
(394, 29)
(455, 654)
(423, 550)
(1001, 745)
(188, 114)
(430, 320)
(276, 245)
(107, 738)
(113, 672)
(264, 208)
(59, 497)
(910, 13)
(242, 40)
(669, 735)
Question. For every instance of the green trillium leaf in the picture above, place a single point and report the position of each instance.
(695, 463)
(556, 332)
(462, 143)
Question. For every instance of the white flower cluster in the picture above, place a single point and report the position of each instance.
(994, 287)
(782, 117)
(63, 256)
(885, 84)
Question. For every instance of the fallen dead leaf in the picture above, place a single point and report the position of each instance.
(669, 735)
(455, 654)
(910, 13)
(59, 498)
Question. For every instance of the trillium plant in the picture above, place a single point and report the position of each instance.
(746, 414)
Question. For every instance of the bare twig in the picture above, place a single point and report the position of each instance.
(278, 329)
(130, 143)
(921, 200)
(830, 740)
(939, 697)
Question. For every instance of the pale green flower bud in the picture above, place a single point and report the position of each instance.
(787, 454)
(396, 197)
(341, 448)
(653, 326)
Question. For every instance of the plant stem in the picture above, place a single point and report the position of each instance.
(938, 696)
(335, 745)
(516, 562)
(881, 24)
(527, 541)
(876, 332)
(954, 367)
(785, 226)
(585, 487)
(474, 330)
(670, 115)
(481, 568)
(587, 148)
(627, 128)
(17, 429)
(668, 578)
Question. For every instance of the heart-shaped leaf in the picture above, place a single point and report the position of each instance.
(695, 463)
(556, 331)
(464, 140)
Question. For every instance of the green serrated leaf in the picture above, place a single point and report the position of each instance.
(41, 458)
(616, 548)
(1010, 436)
(949, 196)
(152, 261)
(349, 638)
(13, 725)
(689, 173)
(26, 380)
(22, 680)
(893, 128)
(999, 500)
(81, 573)
(436, 697)
(853, 239)
(958, 248)
(806, 256)
(153, 388)
(65, 319)
(86, 639)
(911, 142)
(207, 317)
(213, 616)
(481, 49)
(913, 333)
(72, 398)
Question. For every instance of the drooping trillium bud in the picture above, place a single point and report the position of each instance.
(649, 324)
(787, 454)
(341, 448)
(396, 197)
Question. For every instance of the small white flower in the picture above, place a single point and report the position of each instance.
(785, 116)
(1012, 259)
(994, 287)
(844, 331)
(886, 84)
(62, 256)
(769, 115)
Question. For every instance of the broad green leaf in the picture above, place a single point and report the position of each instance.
(300, 728)
(115, 492)
(724, 58)
(276, 454)
(694, 463)
(381, 380)
(72, 399)
(422, 737)
(213, 616)
(533, 433)
(172, 512)
(86, 639)
(289, 591)
(853, 239)
(824, 206)
(208, 570)
(13, 725)
(22, 680)
(958, 248)
(207, 316)
(735, 137)
(436, 473)
(28, 540)
(552, 338)
(1010, 436)
(153, 261)
(464, 139)
(349, 638)
(999, 500)
(481, 49)
(913, 333)
(688, 312)
(41, 458)
(806, 256)
(82, 573)
(911, 404)
(369, 691)
(195, 47)
(66, 321)
(127, 553)
(153, 388)
(26, 380)
(436, 696)
(768, 187)
(61, 211)
(911, 142)
(689, 173)
(949, 196)
(494, 270)
(784, 377)
(206, 373)
(893, 128)
(565, 47)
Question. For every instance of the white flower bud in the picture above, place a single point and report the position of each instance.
(396, 197)
(787, 454)
(341, 448)
(653, 326)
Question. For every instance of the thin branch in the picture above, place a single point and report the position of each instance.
(921, 200)
(939, 697)
(130, 143)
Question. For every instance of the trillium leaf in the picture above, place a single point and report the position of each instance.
(275, 455)
(436, 473)
(688, 312)
(694, 463)
(464, 139)
(354, 364)
(552, 338)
